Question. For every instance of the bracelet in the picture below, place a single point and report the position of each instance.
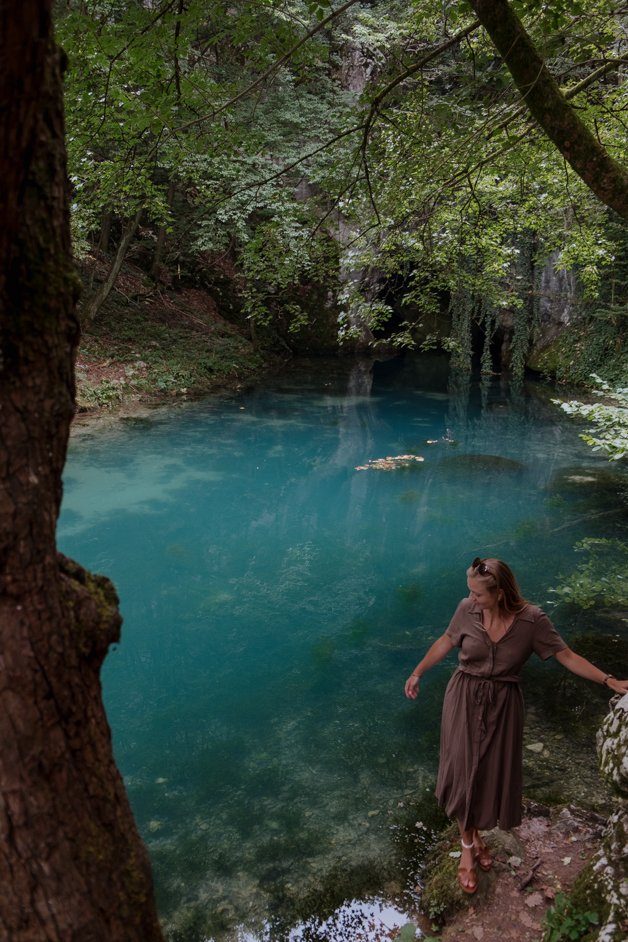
(418, 676)
(607, 678)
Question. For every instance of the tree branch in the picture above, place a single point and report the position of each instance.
(269, 71)
(412, 70)
(385, 92)
(161, 12)
(606, 178)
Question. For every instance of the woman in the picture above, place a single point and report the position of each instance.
(479, 777)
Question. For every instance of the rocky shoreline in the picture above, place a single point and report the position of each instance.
(567, 865)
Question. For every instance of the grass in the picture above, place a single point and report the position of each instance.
(136, 351)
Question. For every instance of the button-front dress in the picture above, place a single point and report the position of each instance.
(480, 772)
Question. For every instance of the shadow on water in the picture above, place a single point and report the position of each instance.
(275, 598)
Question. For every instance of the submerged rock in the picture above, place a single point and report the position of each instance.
(482, 464)
(391, 463)
(535, 746)
(582, 480)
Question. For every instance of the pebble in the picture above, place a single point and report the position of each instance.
(535, 746)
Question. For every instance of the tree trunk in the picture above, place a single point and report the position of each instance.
(72, 866)
(161, 238)
(103, 243)
(101, 295)
(105, 231)
(607, 179)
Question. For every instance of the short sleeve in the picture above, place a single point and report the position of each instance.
(458, 622)
(546, 641)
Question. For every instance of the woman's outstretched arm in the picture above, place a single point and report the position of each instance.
(583, 668)
(440, 649)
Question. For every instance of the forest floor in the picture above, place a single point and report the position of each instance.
(150, 344)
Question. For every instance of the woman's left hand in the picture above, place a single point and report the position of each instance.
(583, 668)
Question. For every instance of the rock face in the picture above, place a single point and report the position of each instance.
(558, 302)
(610, 864)
(558, 296)
(612, 744)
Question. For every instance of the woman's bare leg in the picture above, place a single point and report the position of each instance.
(482, 854)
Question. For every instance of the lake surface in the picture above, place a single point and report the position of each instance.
(275, 599)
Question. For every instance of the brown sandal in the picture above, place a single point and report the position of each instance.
(467, 880)
(483, 856)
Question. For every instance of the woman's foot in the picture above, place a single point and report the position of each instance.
(467, 873)
(468, 880)
(482, 853)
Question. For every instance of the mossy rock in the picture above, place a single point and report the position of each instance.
(550, 359)
(442, 896)
(613, 746)
(585, 347)
(587, 894)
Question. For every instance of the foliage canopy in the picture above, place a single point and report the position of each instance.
(379, 148)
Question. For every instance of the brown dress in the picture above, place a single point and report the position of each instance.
(479, 776)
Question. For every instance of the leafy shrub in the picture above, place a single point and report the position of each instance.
(563, 922)
(609, 420)
(601, 578)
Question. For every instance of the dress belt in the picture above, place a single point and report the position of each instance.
(501, 679)
(484, 691)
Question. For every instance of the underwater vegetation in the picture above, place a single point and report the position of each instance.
(526, 529)
(409, 497)
(410, 594)
(490, 465)
(323, 651)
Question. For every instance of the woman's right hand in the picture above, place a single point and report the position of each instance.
(441, 647)
(412, 687)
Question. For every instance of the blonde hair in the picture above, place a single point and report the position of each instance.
(497, 576)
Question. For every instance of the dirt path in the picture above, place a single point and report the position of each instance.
(532, 865)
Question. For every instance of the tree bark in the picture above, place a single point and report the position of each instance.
(105, 231)
(606, 178)
(72, 866)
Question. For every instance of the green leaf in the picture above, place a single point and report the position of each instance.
(408, 933)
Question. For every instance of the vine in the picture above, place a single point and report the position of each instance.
(488, 319)
(461, 308)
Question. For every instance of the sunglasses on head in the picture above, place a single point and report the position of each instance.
(481, 567)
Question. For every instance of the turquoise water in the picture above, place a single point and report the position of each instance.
(275, 599)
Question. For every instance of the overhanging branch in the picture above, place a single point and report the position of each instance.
(270, 71)
(606, 178)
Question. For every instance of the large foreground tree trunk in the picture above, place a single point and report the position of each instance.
(558, 118)
(72, 866)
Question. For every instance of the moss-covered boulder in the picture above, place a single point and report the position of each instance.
(612, 744)
(610, 865)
